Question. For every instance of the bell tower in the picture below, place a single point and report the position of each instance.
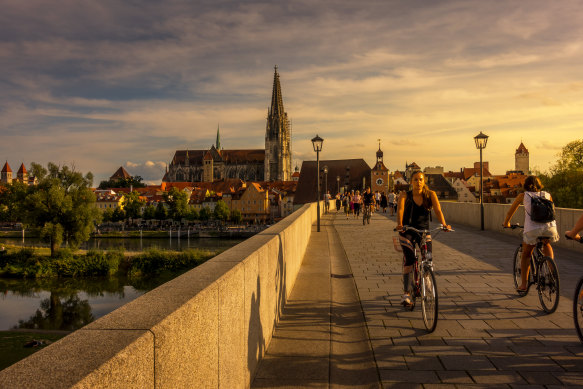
(521, 159)
(379, 174)
(278, 158)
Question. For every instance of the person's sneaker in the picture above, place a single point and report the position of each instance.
(406, 300)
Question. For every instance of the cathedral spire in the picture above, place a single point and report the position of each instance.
(276, 99)
(218, 141)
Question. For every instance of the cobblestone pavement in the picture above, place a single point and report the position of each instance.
(486, 335)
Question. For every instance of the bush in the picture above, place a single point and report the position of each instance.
(24, 263)
(93, 264)
(154, 262)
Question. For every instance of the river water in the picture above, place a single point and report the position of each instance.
(69, 304)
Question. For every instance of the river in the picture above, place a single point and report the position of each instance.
(69, 304)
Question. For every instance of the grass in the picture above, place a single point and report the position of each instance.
(12, 344)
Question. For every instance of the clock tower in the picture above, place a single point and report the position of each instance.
(379, 174)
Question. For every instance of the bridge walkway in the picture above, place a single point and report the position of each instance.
(486, 335)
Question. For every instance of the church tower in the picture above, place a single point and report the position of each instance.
(521, 160)
(278, 158)
(379, 175)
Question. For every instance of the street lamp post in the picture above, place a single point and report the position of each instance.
(481, 140)
(337, 184)
(317, 143)
(326, 202)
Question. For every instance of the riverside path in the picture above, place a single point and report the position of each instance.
(344, 327)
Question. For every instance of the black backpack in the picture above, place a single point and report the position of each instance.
(542, 210)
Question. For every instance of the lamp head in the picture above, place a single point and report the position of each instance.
(317, 143)
(481, 140)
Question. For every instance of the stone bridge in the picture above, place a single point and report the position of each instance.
(292, 307)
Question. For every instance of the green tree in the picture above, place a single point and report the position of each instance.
(11, 201)
(161, 213)
(61, 206)
(177, 202)
(107, 215)
(204, 214)
(565, 179)
(118, 215)
(132, 205)
(192, 214)
(236, 216)
(149, 212)
(221, 211)
(133, 181)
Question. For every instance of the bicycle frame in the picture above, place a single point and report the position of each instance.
(420, 250)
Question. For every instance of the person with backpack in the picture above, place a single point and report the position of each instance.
(539, 220)
(414, 210)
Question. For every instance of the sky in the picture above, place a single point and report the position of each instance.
(98, 84)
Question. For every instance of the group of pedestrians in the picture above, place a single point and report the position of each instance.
(353, 203)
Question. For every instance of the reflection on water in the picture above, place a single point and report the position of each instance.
(66, 304)
(70, 303)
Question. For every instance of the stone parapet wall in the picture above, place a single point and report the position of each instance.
(494, 214)
(206, 328)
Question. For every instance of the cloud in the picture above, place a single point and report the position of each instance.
(104, 82)
(404, 142)
(150, 171)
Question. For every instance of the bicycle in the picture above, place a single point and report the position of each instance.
(366, 213)
(424, 284)
(543, 273)
(578, 303)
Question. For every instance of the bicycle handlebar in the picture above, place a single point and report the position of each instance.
(515, 226)
(441, 227)
(580, 240)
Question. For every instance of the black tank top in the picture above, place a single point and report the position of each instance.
(415, 215)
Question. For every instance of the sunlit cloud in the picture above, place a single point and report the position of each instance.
(108, 84)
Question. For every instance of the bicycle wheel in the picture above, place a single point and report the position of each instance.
(578, 308)
(429, 299)
(548, 284)
(516, 271)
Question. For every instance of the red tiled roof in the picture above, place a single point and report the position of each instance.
(6, 168)
(120, 173)
(22, 170)
(468, 172)
(521, 149)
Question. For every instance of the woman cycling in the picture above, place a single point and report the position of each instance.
(414, 209)
(532, 230)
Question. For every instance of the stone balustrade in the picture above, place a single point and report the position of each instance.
(206, 328)
(494, 214)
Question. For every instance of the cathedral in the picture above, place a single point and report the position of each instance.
(270, 164)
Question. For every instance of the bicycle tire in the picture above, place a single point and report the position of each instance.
(548, 284)
(516, 268)
(578, 309)
(429, 299)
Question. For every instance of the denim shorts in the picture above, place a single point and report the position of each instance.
(529, 237)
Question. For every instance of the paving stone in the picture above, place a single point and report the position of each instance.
(455, 377)
(496, 377)
(465, 362)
